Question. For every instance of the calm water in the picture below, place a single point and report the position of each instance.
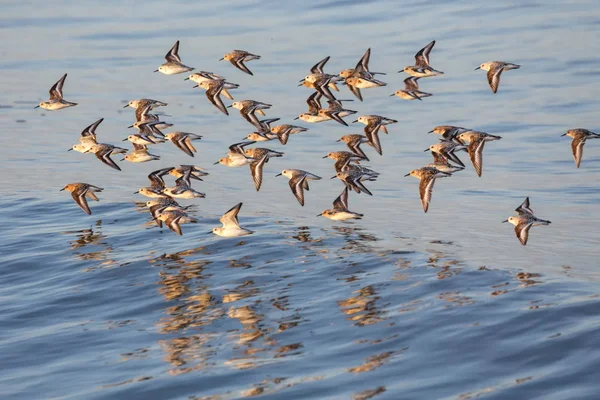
(399, 305)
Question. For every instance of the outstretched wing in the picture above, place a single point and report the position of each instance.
(422, 57)
(493, 76)
(173, 54)
(230, 217)
(56, 89)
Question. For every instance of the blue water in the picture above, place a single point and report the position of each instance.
(398, 305)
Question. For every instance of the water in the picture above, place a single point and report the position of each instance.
(402, 304)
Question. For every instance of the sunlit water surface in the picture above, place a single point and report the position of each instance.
(399, 305)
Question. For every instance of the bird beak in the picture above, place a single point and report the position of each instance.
(301, 83)
(354, 121)
(130, 126)
(324, 156)
(279, 174)
(407, 174)
(122, 159)
(126, 105)
(61, 189)
(392, 95)
(155, 70)
(564, 134)
(70, 149)
(505, 221)
(229, 106)
(431, 131)
(318, 215)
(195, 86)
(333, 177)
(477, 68)
(296, 118)
(186, 79)
(36, 107)
(124, 140)
(426, 150)
(136, 192)
(221, 59)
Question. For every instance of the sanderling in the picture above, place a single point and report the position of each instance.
(231, 226)
(448, 131)
(80, 191)
(182, 189)
(103, 152)
(441, 163)
(214, 89)
(203, 76)
(476, 141)
(142, 139)
(261, 156)
(319, 80)
(173, 218)
(140, 154)
(494, 69)
(411, 90)
(159, 205)
(361, 69)
(173, 64)
(446, 148)
(236, 156)
(335, 112)
(141, 103)
(422, 69)
(237, 59)
(142, 116)
(353, 141)
(353, 175)
(427, 175)
(149, 128)
(340, 211)
(248, 108)
(157, 184)
(195, 172)
(373, 124)
(284, 131)
(298, 182)
(343, 158)
(183, 141)
(524, 221)
(87, 138)
(579, 137)
(56, 101)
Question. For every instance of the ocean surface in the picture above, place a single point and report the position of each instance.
(398, 305)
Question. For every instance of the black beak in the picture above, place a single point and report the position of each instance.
(216, 163)
(354, 121)
(318, 215)
(36, 107)
(333, 177)
(186, 79)
(505, 221)
(130, 126)
(126, 105)
(407, 174)
(296, 118)
(392, 95)
(301, 83)
(229, 106)
(339, 140)
(279, 174)
(477, 68)
(324, 156)
(221, 59)
(430, 131)
(136, 192)
(155, 70)
(61, 189)
(124, 140)
(564, 134)
(426, 150)
(195, 86)
(70, 149)
(122, 159)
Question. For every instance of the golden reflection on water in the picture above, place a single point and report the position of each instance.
(91, 245)
(362, 308)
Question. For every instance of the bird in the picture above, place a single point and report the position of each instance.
(361, 70)
(353, 175)
(182, 189)
(446, 148)
(335, 112)
(237, 59)
(141, 103)
(161, 204)
(140, 154)
(174, 218)
(195, 172)
(494, 69)
(248, 108)
(422, 69)
(56, 101)
(579, 137)
(524, 221)
(214, 89)
(183, 141)
(87, 138)
(157, 184)
(103, 152)
(353, 141)
(448, 131)
(261, 156)
(285, 130)
(236, 156)
(411, 91)
(441, 163)
(79, 192)
(476, 141)
(373, 124)
(173, 64)
(427, 175)
(298, 182)
(340, 211)
(343, 159)
(231, 226)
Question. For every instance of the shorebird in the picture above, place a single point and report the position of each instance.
(494, 69)
(173, 64)
(476, 141)
(79, 192)
(231, 226)
(427, 175)
(56, 101)
(579, 137)
(237, 59)
(422, 69)
(524, 221)
(340, 211)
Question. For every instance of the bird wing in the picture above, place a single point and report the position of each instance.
(256, 169)
(522, 231)
(426, 190)
(493, 76)
(577, 146)
(411, 83)
(318, 67)
(297, 185)
(524, 208)
(56, 89)
(476, 154)
(341, 202)
(173, 54)
(230, 217)
(422, 57)
(79, 197)
(91, 130)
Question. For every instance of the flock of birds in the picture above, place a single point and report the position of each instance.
(163, 205)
